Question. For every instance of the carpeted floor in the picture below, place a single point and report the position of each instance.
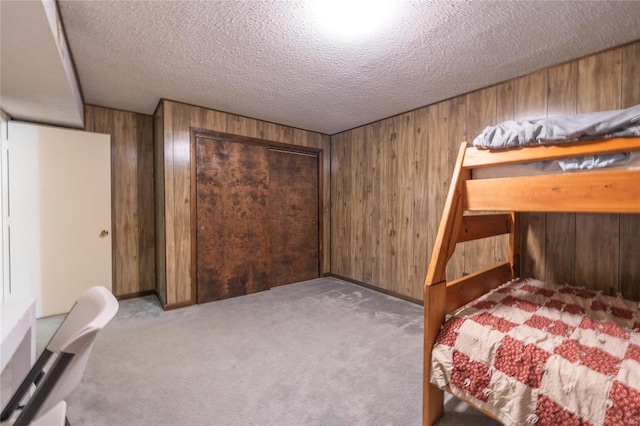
(322, 352)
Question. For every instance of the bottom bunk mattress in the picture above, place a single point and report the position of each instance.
(536, 352)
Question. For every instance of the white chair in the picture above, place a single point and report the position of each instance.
(59, 369)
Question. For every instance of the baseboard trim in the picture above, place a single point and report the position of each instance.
(172, 306)
(378, 289)
(137, 294)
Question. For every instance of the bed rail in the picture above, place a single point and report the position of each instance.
(478, 158)
(470, 287)
(588, 192)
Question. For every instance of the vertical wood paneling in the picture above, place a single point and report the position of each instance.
(178, 119)
(388, 200)
(146, 216)
(169, 206)
(340, 160)
(599, 89)
(375, 141)
(357, 219)
(560, 228)
(132, 196)
(629, 266)
(404, 203)
(159, 179)
(456, 133)
(530, 103)
(551, 247)
(324, 142)
(182, 192)
(438, 173)
(368, 201)
(125, 199)
(505, 110)
(481, 111)
(422, 240)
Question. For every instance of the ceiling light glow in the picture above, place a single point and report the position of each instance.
(351, 19)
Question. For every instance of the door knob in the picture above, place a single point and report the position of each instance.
(104, 233)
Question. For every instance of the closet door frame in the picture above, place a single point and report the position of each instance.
(221, 136)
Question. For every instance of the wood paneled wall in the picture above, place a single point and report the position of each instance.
(390, 179)
(132, 190)
(173, 163)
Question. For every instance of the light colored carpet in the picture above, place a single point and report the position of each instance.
(322, 352)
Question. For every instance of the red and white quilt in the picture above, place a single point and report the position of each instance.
(543, 353)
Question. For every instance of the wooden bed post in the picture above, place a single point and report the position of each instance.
(514, 245)
(435, 286)
(433, 397)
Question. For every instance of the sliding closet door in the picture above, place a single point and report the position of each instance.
(293, 217)
(232, 186)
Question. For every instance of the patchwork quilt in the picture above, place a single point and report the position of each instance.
(532, 352)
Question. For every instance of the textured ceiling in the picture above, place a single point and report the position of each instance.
(268, 60)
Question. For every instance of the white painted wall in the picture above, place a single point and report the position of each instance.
(4, 259)
(59, 203)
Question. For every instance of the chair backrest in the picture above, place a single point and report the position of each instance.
(72, 343)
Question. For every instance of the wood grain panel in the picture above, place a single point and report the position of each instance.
(233, 252)
(159, 180)
(560, 228)
(169, 210)
(548, 248)
(357, 218)
(629, 266)
(377, 187)
(182, 209)
(404, 204)
(338, 203)
(388, 199)
(599, 89)
(530, 103)
(505, 110)
(630, 72)
(293, 217)
(132, 196)
(481, 112)
(146, 216)
(456, 133)
(126, 199)
(368, 200)
(438, 170)
(597, 263)
(422, 241)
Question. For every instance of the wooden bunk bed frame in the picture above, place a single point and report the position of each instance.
(602, 191)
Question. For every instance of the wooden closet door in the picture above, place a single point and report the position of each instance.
(232, 187)
(293, 217)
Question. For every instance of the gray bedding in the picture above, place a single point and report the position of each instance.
(565, 129)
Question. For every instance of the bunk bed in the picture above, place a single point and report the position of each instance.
(494, 307)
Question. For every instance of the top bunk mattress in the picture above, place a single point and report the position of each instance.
(558, 131)
(549, 168)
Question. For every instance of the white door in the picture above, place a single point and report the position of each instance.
(59, 214)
